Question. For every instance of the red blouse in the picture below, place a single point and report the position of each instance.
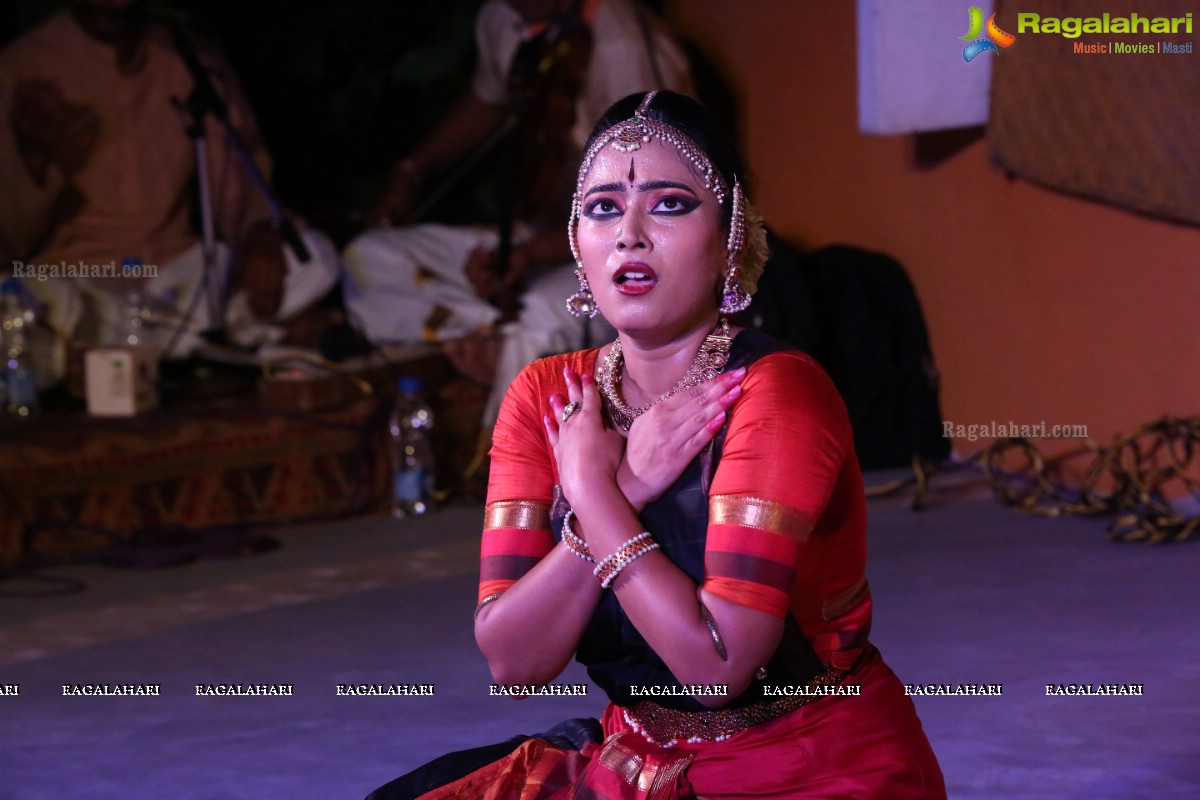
(787, 515)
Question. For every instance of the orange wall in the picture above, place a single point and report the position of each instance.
(1040, 306)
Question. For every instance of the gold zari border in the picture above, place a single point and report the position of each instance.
(844, 601)
(621, 760)
(521, 514)
(765, 515)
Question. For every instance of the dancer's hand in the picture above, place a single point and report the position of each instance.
(664, 440)
(587, 452)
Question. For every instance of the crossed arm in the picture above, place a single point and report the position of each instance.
(530, 634)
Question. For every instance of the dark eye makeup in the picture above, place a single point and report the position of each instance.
(601, 208)
(674, 205)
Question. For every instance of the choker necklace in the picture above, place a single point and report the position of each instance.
(710, 360)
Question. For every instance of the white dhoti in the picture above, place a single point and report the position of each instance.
(171, 296)
(408, 285)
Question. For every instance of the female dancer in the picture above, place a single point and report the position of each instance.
(682, 511)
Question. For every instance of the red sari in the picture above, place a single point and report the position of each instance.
(783, 531)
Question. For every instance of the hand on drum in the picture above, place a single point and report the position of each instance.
(260, 269)
(480, 270)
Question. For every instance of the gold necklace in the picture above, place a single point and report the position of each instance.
(710, 360)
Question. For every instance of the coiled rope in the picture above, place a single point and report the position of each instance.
(1140, 477)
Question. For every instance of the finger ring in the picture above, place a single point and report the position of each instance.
(569, 409)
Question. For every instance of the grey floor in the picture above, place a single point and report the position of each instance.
(965, 592)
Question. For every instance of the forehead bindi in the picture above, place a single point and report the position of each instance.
(653, 166)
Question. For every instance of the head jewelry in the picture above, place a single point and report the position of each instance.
(629, 136)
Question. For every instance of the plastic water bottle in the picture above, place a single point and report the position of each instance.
(20, 379)
(412, 453)
(130, 332)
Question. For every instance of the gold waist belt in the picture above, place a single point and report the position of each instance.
(666, 727)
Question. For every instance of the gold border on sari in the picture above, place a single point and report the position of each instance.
(520, 514)
(620, 759)
(845, 600)
(764, 515)
(667, 775)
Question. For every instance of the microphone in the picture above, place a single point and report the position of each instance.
(204, 99)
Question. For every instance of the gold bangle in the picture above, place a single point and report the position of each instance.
(711, 623)
(491, 598)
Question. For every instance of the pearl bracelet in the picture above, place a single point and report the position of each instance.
(608, 569)
(574, 541)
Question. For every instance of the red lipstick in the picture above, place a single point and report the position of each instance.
(635, 278)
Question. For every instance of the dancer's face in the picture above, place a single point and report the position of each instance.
(651, 240)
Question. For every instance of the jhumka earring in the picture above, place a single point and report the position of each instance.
(735, 299)
(583, 302)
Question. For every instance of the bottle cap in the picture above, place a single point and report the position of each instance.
(10, 286)
(409, 383)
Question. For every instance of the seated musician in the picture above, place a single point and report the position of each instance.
(96, 166)
(441, 283)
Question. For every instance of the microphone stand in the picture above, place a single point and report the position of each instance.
(202, 102)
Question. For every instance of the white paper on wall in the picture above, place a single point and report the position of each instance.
(912, 75)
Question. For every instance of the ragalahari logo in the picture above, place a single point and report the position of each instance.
(995, 39)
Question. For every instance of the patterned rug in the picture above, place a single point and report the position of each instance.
(78, 488)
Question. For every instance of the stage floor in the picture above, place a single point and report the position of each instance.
(966, 592)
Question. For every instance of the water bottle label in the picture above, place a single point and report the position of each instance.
(412, 485)
(21, 388)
